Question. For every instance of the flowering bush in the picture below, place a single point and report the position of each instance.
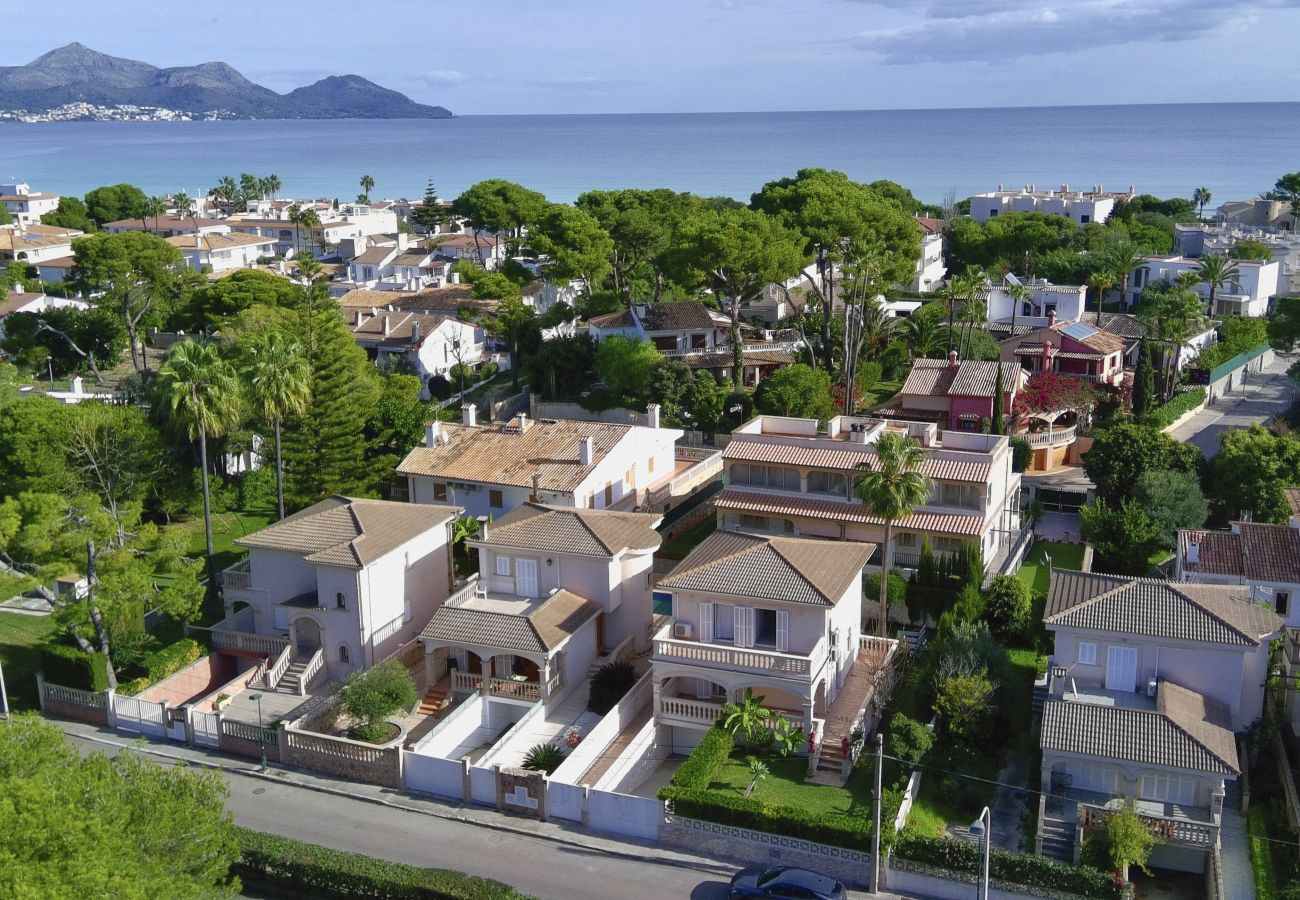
(1052, 391)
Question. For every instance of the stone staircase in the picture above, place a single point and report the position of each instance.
(291, 681)
(435, 698)
(1058, 840)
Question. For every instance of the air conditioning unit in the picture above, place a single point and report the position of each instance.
(683, 630)
(1152, 687)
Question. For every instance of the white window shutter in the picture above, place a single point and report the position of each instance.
(738, 633)
(782, 630)
(749, 626)
(706, 622)
(703, 689)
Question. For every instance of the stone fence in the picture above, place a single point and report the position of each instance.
(343, 757)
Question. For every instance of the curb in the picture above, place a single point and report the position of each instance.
(712, 869)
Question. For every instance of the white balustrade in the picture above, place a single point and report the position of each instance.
(699, 712)
(273, 675)
(466, 681)
(519, 690)
(741, 659)
(249, 641)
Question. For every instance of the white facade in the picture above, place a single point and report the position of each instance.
(1093, 205)
(217, 251)
(20, 302)
(930, 269)
(25, 205)
(1061, 302)
(1248, 294)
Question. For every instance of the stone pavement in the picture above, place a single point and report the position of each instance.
(1266, 394)
(1238, 879)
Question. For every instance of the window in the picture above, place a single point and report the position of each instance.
(503, 565)
(775, 477)
(340, 601)
(765, 627)
(1084, 219)
(724, 618)
(1281, 600)
(439, 491)
(1168, 788)
(1087, 653)
(827, 483)
(345, 655)
(905, 539)
(494, 500)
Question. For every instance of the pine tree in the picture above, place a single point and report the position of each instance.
(429, 215)
(1144, 384)
(999, 423)
(927, 572)
(325, 449)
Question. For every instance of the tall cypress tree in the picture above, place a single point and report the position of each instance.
(999, 423)
(429, 215)
(325, 449)
(1144, 384)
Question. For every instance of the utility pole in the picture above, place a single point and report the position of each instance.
(875, 805)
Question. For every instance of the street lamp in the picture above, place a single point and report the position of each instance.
(983, 828)
(4, 697)
(49, 363)
(261, 734)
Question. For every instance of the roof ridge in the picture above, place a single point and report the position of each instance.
(1193, 738)
(1252, 638)
(726, 556)
(772, 542)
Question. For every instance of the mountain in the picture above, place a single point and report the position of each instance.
(76, 73)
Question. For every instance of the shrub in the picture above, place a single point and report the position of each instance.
(1008, 608)
(908, 739)
(374, 695)
(1016, 868)
(72, 667)
(171, 659)
(544, 758)
(608, 686)
(705, 762)
(311, 870)
(774, 818)
(897, 589)
(963, 703)
(1022, 454)
(1167, 413)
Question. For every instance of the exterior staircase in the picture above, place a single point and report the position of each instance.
(291, 682)
(1058, 840)
(832, 757)
(434, 698)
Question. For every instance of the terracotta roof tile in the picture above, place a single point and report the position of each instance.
(796, 570)
(842, 511)
(539, 631)
(1252, 550)
(970, 378)
(846, 457)
(563, 529)
(341, 531)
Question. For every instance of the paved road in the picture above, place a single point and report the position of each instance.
(1266, 394)
(535, 866)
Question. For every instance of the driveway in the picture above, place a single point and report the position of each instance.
(1266, 394)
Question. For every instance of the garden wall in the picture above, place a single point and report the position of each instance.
(347, 758)
(945, 885)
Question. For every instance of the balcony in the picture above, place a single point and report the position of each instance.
(1056, 438)
(704, 713)
(739, 659)
(238, 577)
(1178, 826)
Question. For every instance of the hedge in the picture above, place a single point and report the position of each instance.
(705, 762)
(1014, 868)
(1166, 414)
(790, 821)
(72, 667)
(163, 663)
(314, 871)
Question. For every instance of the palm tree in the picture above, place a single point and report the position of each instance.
(1019, 293)
(272, 185)
(250, 188)
(199, 390)
(295, 216)
(226, 192)
(309, 219)
(1101, 281)
(184, 205)
(1172, 316)
(367, 183)
(157, 208)
(278, 379)
(1121, 258)
(758, 770)
(745, 718)
(1200, 197)
(924, 337)
(1216, 270)
(891, 489)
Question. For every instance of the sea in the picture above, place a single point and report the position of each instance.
(1236, 150)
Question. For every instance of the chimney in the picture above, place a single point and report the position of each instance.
(952, 359)
(1193, 553)
(361, 316)
(388, 325)
(431, 432)
(415, 332)
(523, 422)
(652, 415)
(403, 241)
(537, 493)
(1051, 317)
(469, 414)
(584, 451)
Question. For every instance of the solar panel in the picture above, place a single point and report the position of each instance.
(1079, 331)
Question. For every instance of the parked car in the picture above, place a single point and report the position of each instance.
(786, 883)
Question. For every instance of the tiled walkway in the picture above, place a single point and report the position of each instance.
(1238, 880)
(610, 755)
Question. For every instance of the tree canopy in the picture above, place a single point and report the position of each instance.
(796, 390)
(115, 202)
(1122, 453)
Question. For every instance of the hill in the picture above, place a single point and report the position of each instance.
(75, 73)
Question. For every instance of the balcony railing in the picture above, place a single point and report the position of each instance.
(1056, 438)
(743, 659)
(248, 641)
(238, 577)
(466, 681)
(695, 712)
(1175, 830)
(518, 690)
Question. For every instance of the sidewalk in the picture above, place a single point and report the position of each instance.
(444, 809)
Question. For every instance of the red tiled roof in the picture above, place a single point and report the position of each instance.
(846, 458)
(843, 511)
(1254, 551)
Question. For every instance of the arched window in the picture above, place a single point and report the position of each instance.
(344, 654)
(339, 601)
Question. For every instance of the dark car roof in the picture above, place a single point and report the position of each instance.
(802, 878)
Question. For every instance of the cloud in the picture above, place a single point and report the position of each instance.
(1001, 30)
(442, 78)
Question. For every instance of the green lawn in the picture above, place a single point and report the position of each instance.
(685, 542)
(20, 640)
(785, 785)
(1033, 571)
(227, 528)
(879, 393)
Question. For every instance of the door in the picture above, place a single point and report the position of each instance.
(1121, 668)
(526, 577)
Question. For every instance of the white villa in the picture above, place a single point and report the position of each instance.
(1246, 295)
(217, 251)
(930, 269)
(26, 206)
(1094, 205)
(431, 344)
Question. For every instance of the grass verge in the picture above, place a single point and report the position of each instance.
(1034, 570)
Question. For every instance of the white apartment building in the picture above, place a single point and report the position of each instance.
(25, 205)
(1248, 294)
(351, 221)
(493, 468)
(1093, 205)
(1046, 301)
(222, 251)
(788, 476)
(431, 344)
(930, 270)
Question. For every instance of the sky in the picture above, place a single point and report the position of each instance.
(628, 56)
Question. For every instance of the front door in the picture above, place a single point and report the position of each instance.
(526, 577)
(1121, 668)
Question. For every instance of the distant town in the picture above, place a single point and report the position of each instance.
(911, 545)
(90, 112)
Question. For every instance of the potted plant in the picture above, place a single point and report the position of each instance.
(222, 701)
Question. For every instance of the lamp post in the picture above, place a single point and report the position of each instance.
(49, 364)
(983, 828)
(4, 697)
(261, 734)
